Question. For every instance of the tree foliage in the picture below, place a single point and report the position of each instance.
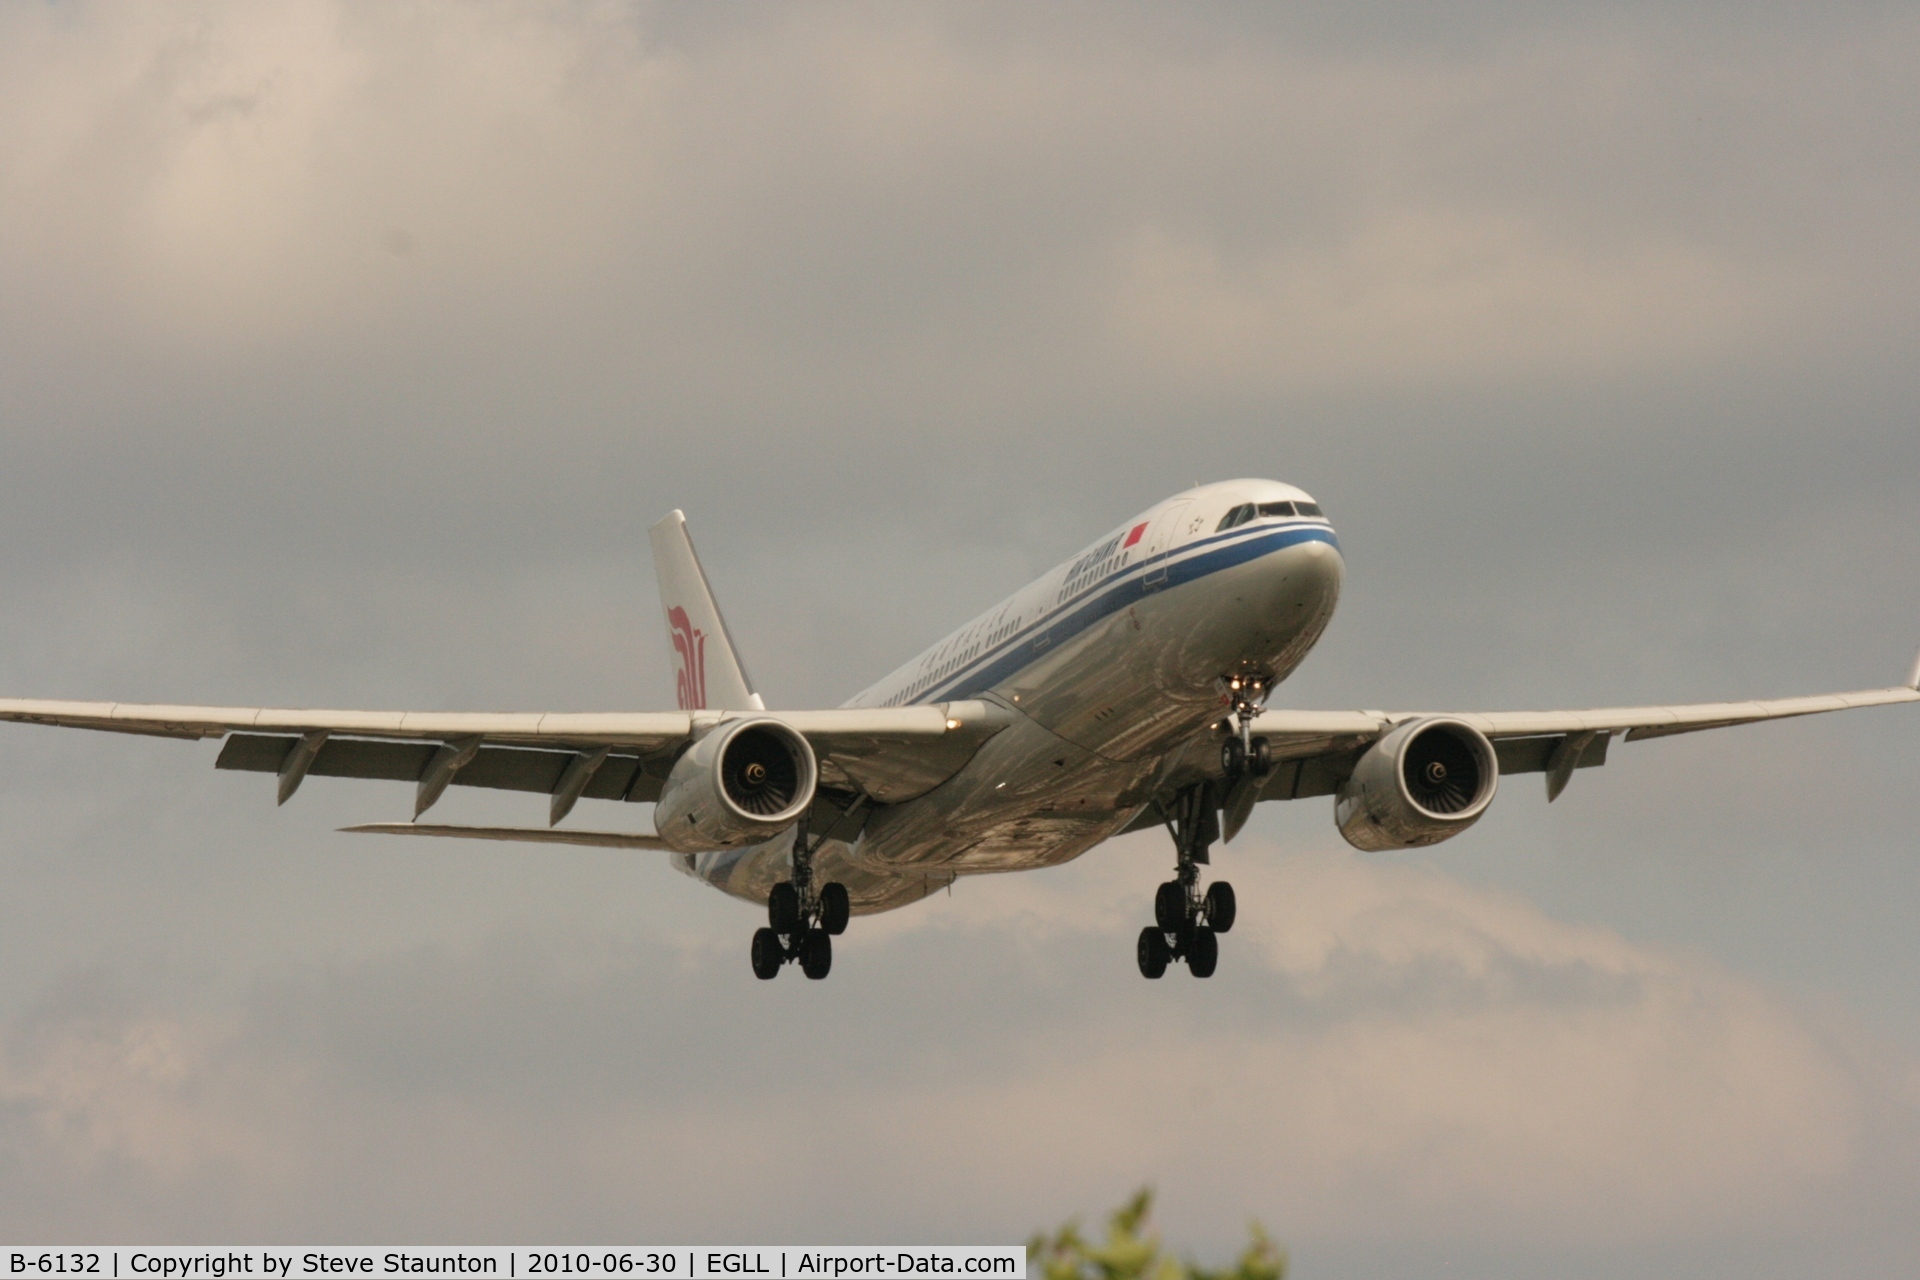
(1132, 1251)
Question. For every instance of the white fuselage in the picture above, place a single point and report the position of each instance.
(1109, 669)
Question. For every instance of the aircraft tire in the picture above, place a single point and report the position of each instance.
(1233, 758)
(836, 908)
(783, 908)
(1203, 952)
(1152, 953)
(768, 955)
(1261, 761)
(1170, 906)
(816, 953)
(1221, 907)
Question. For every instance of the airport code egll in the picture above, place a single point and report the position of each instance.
(675, 1262)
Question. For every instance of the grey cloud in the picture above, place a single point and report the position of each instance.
(515, 1088)
(1592, 327)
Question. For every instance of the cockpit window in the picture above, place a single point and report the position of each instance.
(1238, 516)
(1310, 509)
(1276, 508)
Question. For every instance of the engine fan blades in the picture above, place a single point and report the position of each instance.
(1441, 772)
(761, 775)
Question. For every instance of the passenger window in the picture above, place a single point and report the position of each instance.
(1276, 508)
(1310, 509)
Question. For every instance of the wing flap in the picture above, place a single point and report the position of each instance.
(499, 768)
(1305, 776)
(1535, 755)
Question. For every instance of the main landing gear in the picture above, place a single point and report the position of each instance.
(1187, 923)
(801, 925)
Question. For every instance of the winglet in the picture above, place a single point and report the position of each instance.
(708, 673)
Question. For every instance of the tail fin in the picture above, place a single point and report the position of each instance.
(708, 671)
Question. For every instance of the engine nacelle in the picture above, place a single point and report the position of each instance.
(744, 782)
(1424, 782)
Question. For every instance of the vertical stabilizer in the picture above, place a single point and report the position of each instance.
(708, 672)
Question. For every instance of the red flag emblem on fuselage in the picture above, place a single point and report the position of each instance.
(690, 646)
(1133, 534)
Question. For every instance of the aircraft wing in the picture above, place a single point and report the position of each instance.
(888, 753)
(1314, 751)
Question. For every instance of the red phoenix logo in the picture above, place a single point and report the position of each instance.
(690, 643)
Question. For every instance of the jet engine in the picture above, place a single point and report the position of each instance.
(1425, 781)
(744, 782)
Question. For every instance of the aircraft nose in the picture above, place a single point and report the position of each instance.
(1322, 568)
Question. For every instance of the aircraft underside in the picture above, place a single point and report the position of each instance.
(1096, 733)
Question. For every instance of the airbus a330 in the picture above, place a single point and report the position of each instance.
(1125, 689)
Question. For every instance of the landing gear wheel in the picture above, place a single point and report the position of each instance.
(1153, 953)
(1170, 906)
(768, 954)
(783, 908)
(1203, 952)
(1189, 923)
(836, 908)
(1260, 763)
(816, 953)
(1233, 758)
(1221, 907)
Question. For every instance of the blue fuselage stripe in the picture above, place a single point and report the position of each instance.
(1120, 589)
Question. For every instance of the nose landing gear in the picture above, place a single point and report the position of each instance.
(1187, 923)
(801, 924)
(1243, 753)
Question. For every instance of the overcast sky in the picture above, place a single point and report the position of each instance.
(348, 349)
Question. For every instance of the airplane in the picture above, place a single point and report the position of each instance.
(1125, 689)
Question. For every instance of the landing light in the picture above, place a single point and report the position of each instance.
(953, 724)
